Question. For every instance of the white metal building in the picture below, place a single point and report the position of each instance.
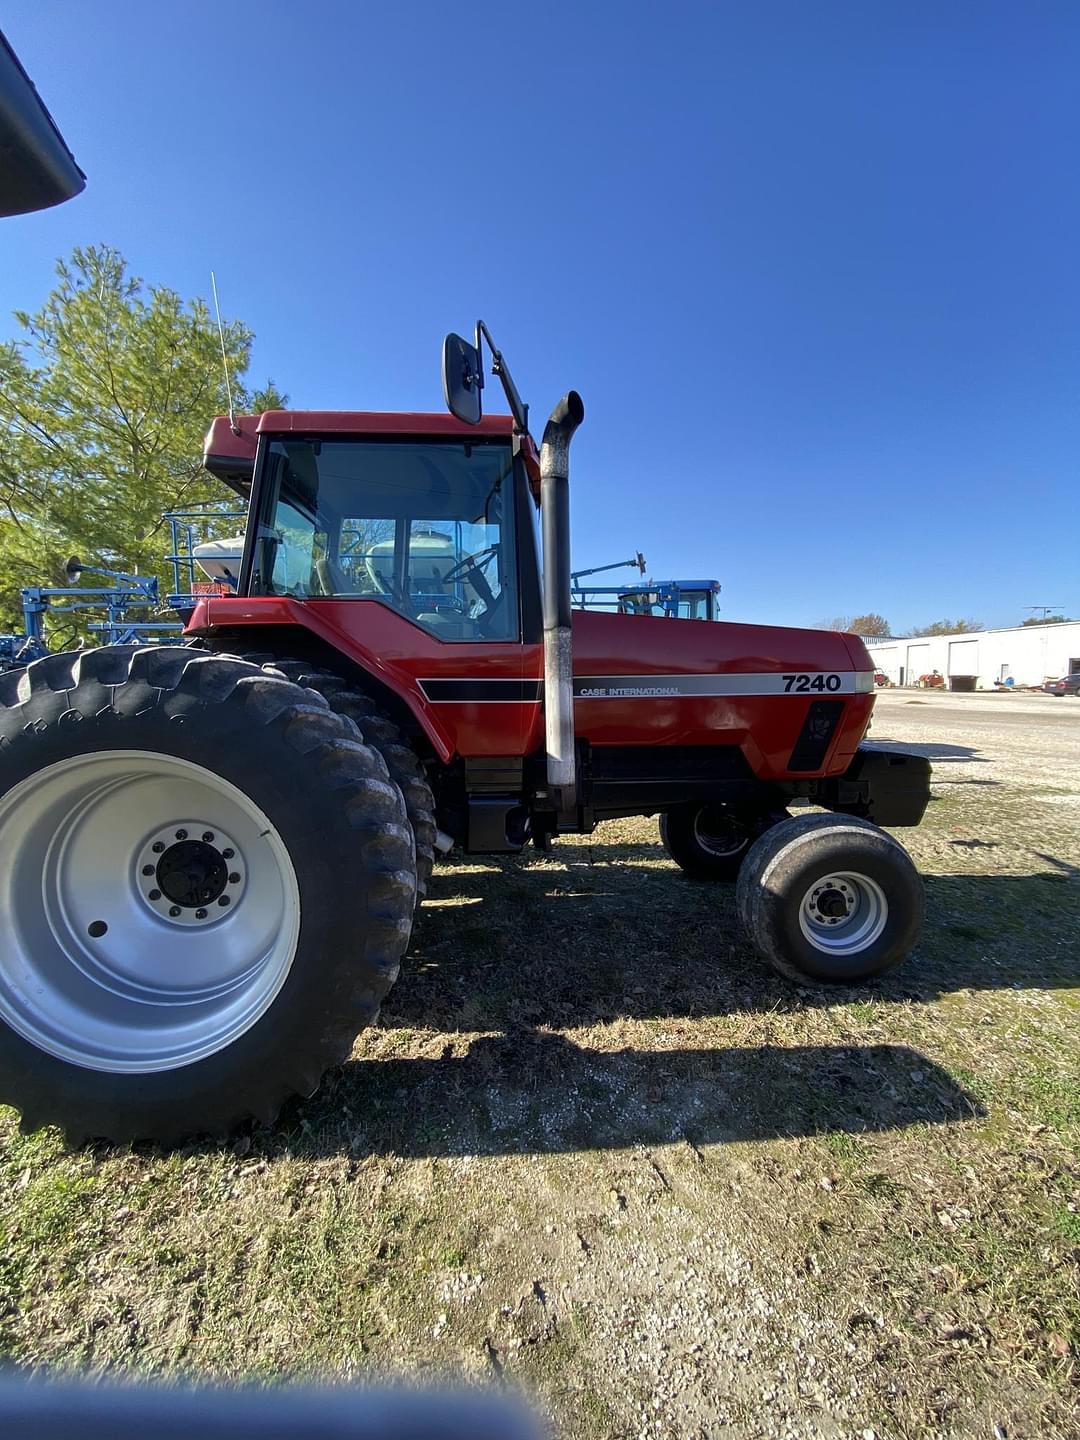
(1026, 654)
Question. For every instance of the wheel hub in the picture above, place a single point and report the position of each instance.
(190, 873)
(720, 832)
(832, 903)
(843, 914)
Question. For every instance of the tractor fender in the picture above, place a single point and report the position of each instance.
(279, 611)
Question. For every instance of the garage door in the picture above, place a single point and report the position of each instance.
(918, 662)
(963, 657)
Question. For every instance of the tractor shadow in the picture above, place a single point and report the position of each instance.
(508, 951)
(530, 1092)
(507, 945)
(965, 754)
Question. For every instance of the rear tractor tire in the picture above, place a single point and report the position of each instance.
(830, 899)
(207, 884)
(710, 842)
(382, 734)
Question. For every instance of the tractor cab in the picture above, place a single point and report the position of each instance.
(427, 527)
(432, 515)
(420, 513)
(672, 599)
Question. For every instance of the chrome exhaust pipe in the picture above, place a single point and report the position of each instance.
(558, 645)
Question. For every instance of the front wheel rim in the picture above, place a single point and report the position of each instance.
(153, 911)
(719, 834)
(843, 913)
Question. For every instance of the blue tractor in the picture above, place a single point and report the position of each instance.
(669, 599)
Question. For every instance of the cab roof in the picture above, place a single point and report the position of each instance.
(378, 422)
(229, 448)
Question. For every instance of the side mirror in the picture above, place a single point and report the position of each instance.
(73, 569)
(462, 378)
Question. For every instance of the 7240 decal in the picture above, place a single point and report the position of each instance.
(811, 682)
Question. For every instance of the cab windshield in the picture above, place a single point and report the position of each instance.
(423, 527)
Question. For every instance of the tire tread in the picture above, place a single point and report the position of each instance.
(381, 733)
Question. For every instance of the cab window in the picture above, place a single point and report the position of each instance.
(424, 528)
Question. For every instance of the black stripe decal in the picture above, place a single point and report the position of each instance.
(473, 692)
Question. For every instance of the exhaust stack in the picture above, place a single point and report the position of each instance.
(558, 646)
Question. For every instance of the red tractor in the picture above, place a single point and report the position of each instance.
(212, 852)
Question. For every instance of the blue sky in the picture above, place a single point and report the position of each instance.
(813, 266)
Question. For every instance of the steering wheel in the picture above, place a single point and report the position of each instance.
(470, 563)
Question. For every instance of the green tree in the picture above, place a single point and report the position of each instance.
(104, 401)
(1046, 620)
(266, 397)
(947, 627)
(873, 625)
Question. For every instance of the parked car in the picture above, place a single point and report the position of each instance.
(1067, 685)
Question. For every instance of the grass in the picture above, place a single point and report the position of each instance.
(586, 1087)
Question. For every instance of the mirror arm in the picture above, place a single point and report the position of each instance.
(518, 408)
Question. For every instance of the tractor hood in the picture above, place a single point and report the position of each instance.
(783, 701)
(687, 657)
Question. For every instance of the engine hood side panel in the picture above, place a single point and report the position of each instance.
(642, 680)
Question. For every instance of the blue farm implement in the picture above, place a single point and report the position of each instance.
(669, 599)
(129, 606)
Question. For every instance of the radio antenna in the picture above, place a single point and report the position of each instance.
(224, 357)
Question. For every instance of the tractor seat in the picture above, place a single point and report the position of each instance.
(329, 578)
(448, 627)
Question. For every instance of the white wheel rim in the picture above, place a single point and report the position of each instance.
(194, 949)
(722, 846)
(843, 913)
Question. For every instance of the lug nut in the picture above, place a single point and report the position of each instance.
(224, 900)
(208, 835)
(181, 834)
(148, 869)
(158, 846)
(174, 911)
(155, 895)
(227, 854)
(234, 877)
(200, 914)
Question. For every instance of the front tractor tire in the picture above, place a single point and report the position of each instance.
(830, 899)
(710, 842)
(207, 885)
